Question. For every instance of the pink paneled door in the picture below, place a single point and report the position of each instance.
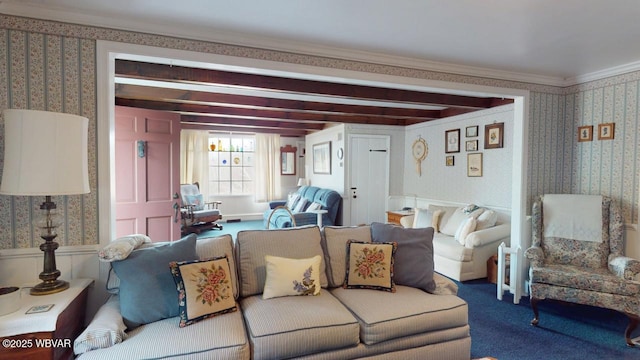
(147, 173)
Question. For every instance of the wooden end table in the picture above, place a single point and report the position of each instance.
(29, 334)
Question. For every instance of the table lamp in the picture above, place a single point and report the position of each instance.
(45, 154)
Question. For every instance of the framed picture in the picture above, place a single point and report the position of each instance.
(474, 165)
(449, 160)
(605, 131)
(585, 133)
(471, 145)
(493, 136)
(322, 158)
(452, 141)
(472, 131)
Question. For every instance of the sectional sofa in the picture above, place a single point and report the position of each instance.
(344, 320)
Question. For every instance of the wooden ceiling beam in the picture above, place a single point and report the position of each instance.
(259, 113)
(140, 92)
(254, 130)
(251, 122)
(142, 70)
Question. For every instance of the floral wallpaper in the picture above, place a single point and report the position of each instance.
(50, 65)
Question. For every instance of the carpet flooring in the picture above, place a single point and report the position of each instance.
(502, 330)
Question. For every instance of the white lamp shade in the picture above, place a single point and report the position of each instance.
(302, 181)
(45, 153)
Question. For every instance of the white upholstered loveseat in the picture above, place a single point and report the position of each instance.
(338, 323)
(465, 237)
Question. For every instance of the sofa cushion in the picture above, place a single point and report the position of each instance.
(204, 289)
(424, 218)
(314, 206)
(487, 219)
(457, 218)
(147, 290)
(370, 265)
(413, 312)
(292, 277)
(335, 246)
(445, 215)
(253, 245)
(293, 326)
(292, 200)
(164, 340)
(413, 264)
(301, 205)
(447, 247)
(465, 228)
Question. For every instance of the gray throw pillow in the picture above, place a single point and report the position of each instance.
(413, 264)
(147, 290)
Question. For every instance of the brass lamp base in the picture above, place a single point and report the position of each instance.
(49, 287)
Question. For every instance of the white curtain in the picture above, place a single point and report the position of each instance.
(268, 167)
(194, 159)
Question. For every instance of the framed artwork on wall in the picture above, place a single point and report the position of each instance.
(471, 145)
(474, 165)
(449, 160)
(471, 131)
(322, 158)
(585, 133)
(452, 141)
(493, 136)
(605, 131)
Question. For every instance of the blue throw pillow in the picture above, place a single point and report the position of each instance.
(414, 257)
(147, 290)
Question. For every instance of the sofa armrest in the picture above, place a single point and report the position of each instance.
(625, 267)
(407, 221)
(535, 256)
(105, 329)
(274, 204)
(487, 236)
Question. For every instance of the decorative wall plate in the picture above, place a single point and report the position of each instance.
(420, 151)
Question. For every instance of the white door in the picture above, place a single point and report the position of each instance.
(368, 178)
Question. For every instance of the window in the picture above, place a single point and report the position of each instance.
(231, 164)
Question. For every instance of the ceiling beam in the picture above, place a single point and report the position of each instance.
(142, 70)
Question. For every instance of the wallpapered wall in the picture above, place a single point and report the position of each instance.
(559, 163)
(51, 66)
(55, 73)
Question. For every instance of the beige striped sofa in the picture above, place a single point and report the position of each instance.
(336, 324)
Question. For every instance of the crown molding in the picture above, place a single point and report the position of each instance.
(302, 48)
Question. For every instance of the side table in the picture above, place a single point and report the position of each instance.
(25, 334)
(394, 217)
(319, 213)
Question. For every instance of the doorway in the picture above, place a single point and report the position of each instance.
(108, 51)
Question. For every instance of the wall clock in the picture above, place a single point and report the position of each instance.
(420, 151)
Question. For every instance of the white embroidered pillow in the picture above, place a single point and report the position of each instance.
(291, 277)
(120, 248)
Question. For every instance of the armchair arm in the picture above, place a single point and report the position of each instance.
(487, 236)
(625, 267)
(213, 204)
(276, 203)
(535, 256)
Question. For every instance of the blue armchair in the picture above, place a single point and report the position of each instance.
(280, 213)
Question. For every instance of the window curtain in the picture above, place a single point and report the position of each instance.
(194, 159)
(268, 167)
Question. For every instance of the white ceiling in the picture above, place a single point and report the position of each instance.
(545, 41)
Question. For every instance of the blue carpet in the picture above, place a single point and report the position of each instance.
(232, 228)
(502, 329)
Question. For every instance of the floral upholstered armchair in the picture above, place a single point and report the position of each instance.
(577, 256)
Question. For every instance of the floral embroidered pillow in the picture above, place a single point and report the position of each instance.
(370, 265)
(196, 200)
(291, 277)
(204, 289)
